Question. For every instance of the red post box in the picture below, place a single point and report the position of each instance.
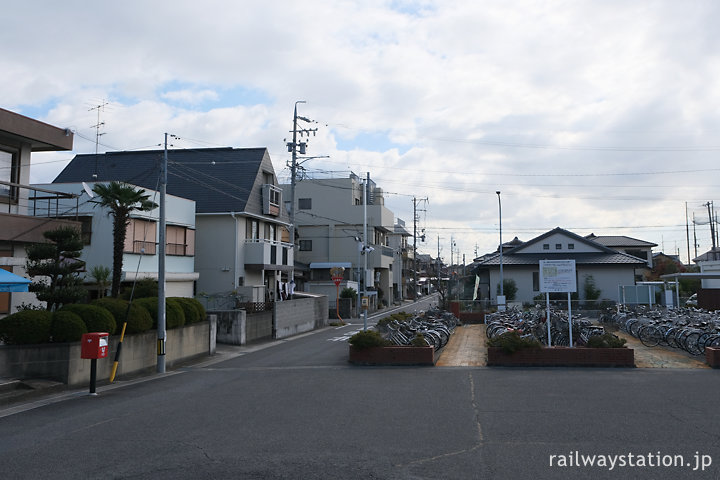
(94, 345)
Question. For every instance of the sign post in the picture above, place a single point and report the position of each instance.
(558, 276)
(337, 276)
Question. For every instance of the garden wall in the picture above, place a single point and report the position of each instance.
(62, 362)
(304, 313)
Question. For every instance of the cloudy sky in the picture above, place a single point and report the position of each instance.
(596, 116)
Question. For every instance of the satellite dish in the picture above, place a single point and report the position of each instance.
(88, 190)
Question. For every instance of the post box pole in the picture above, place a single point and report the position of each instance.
(93, 375)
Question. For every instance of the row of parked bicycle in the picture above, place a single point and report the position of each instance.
(688, 329)
(532, 324)
(432, 327)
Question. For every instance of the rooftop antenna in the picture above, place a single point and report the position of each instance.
(97, 132)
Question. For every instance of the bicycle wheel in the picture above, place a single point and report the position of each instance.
(650, 335)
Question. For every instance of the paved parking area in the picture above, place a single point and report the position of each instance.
(467, 348)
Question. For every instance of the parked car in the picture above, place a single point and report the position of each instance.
(692, 301)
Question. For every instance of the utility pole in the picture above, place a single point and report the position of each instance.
(415, 220)
(365, 242)
(161, 327)
(712, 226)
(293, 148)
(687, 233)
(695, 244)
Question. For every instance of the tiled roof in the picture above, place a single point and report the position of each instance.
(218, 179)
(580, 259)
(619, 241)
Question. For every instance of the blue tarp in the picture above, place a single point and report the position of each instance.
(9, 282)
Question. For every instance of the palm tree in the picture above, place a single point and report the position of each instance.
(121, 200)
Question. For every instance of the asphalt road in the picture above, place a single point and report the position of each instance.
(298, 410)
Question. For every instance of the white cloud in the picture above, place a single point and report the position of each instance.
(449, 100)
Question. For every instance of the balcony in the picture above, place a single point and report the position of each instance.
(268, 255)
(22, 225)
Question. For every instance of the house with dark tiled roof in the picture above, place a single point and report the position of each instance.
(631, 246)
(241, 241)
(608, 267)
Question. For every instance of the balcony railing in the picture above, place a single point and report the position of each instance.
(266, 252)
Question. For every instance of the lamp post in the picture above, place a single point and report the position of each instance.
(502, 293)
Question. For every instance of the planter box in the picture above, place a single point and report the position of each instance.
(562, 357)
(392, 356)
(712, 356)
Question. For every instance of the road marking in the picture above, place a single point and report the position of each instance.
(345, 337)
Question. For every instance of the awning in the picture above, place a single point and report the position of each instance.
(330, 264)
(9, 282)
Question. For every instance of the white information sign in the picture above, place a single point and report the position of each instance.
(557, 276)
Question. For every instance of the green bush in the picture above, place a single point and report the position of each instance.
(368, 339)
(511, 342)
(138, 319)
(67, 327)
(199, 307)
(25, 327)
(607, 340)
(419, 340)
(192, 315)
(96, 319)
(174, 315)
(144, 288)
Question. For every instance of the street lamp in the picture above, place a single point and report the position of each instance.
(502, 293)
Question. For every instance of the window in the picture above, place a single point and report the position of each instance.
(179, 240)
(252, 230)
(140, 237)
(304, 203)
(8, 172)
(558, 246)
(306, 245)
(571, 246)
(86, 229)
(546, 246)
(536, 281)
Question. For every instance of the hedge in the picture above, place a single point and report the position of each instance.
(174, 315)
(96, 319)
(67, 327)
(138, 319)
(26, 327)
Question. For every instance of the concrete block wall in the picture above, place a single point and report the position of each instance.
(62, 362)
(302, 314)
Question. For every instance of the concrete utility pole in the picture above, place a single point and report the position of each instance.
(415, 220)
(366, 189)
(293, 148)
(502, 293)
(161, 327)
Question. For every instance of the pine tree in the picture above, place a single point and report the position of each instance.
(57, 264)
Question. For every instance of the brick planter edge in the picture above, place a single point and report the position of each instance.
(562, 357)
(392, 356)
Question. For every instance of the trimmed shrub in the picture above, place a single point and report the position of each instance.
(96, 319)
(26, 327)
(199, 307)
(607, 340)
(67, 327)
(138, 320)
(174, 315)
(368, 339)
(511, 342)
(192, 315)
(144, 288)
